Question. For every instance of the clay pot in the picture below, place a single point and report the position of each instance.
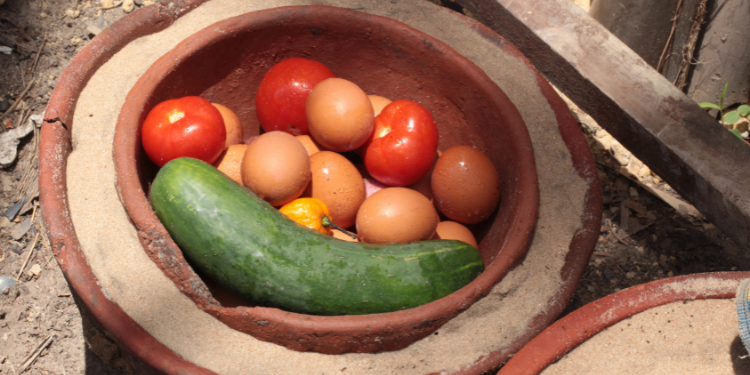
(583, 324)
(144, 352)
(225, 63)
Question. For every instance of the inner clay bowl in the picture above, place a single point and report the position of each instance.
(225, 63)
(581, 325)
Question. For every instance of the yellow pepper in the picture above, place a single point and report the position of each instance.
(309, 212)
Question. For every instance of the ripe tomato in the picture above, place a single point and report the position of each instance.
(281, 97)
(403, 144)
(188, 126)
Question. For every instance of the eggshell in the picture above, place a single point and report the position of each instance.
(396, 214)
(310, 144)
(339, 115)
(231, 123)
(276, 167)
(338, 183)
(230, 162)
(335, 233)
(465, 185)
(451, 230)
(378, 103)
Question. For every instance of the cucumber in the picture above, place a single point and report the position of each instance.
(247, 246)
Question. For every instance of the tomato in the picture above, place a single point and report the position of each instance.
(188, 126)
(403, 144)
(281, 97)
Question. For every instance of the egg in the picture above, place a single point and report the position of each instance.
(276, 167)
(378, 103)
(231, 123)
(310, 144)
(230, 162)
(338, 183)
(396, 214)
(335, 233)
(451, 230)
(465, 185)
(339, 115)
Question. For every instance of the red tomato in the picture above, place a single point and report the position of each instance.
(188, 126)
(403, 144)
(281, 97)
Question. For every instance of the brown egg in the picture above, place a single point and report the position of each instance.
(335, 233)
(378, 103)
(338, 183)
(230, 162)
(310, 144)
(465, 185)
(451, 230)
(339, 115)
(396, 214)
(231, 123)
(276, 167)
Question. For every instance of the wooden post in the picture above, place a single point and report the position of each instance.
(659, 124)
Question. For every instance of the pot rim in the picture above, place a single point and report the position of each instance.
(577, 327)
(55, 146)
(305, 332)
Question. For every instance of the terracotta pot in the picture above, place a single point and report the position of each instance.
(581, 325)
(225, 63)
(150, 355)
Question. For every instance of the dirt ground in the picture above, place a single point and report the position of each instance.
(41, 330)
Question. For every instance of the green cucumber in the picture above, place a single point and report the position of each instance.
(240, 241)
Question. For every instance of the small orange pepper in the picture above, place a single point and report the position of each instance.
(309, 212)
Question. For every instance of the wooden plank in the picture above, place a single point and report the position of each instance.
(659, 124)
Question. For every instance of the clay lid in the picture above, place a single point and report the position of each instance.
(579, 326)
(225, 62)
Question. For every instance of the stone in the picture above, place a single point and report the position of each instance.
(6, 282)
(743, 125)
(19, 230)
(35, 270)
(72, 13)
(128, 6)
(644, 172)
(9, 141)
(4, 105)
(621, 154)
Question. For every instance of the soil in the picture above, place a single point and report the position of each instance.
(642, 238)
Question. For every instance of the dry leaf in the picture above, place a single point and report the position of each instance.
(8, 124)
